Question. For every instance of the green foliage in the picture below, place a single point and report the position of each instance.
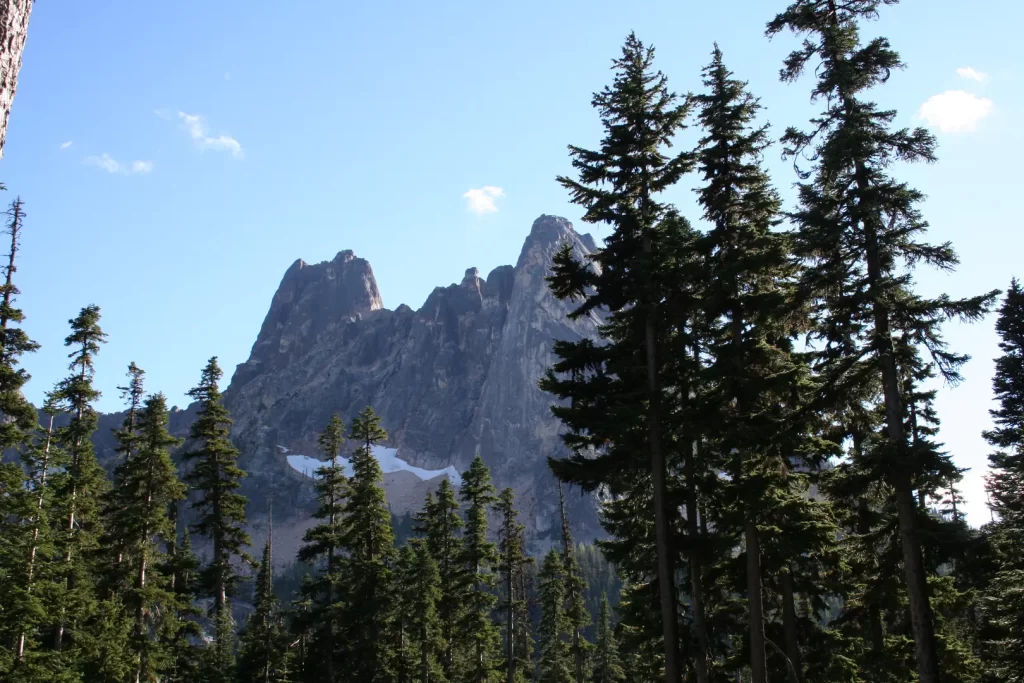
(441, 524)
(263, 651)
(512, 568)
(607, 664)
(1004, 598)
(479, 557)
(368, 541)
(220, 512)
(555, 665)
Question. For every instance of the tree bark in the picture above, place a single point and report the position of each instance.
(666, 573)
(790, 627)
(700, 628)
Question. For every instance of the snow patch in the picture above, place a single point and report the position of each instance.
(387, 457)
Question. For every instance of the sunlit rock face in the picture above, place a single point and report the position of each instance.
(455, 378)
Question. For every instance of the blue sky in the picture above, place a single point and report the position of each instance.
(175, 158)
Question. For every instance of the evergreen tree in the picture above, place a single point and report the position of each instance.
(368, 614)
(22, 489)
(512, 568)
(220, 513)
(263, 651)
(619, 184)
(555, 664)
(1004, 601)
(576, 614)
(859, 230)
(607, 665)
(421, 643)
(179, 631)
(440, 523)
(118, 579)
(79, 487)
(322, 544)
(146, 485)
(20, 417)
(479, 558)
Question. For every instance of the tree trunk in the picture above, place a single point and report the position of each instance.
(758, 671)
(666, 573)
(790, 627)
(700, 628)
(510, 633)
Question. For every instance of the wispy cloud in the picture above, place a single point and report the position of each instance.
(481, 200)
(955, 111)
(971, 74)
(111, 165)
(67, 144)
(198, 131)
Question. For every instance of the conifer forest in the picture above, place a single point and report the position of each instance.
(757, 422)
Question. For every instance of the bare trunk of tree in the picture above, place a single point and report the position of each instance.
(30, 571)
(666, 573)
(700, 627)
(789, 626)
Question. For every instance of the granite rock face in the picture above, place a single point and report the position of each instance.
(455, 378)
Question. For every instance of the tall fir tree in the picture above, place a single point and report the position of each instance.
(555, 664)
(263, 650)
(117, 577)
(619, 184)
(79, 488)
(180, 631)
(21, 484)
(479, 557)
(576, 613)
(146, 485)
(421, 644)
(220, 514)
(607, 664)
(369, 541)
(322, 545)
(512, 565)
(1004, 599)
(441, 526)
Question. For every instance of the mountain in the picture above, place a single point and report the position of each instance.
(455, 378)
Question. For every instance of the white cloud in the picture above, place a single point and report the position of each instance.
(67, 144)
(955, 111)
(197, 130)
(972, 74)
(111, 165)
(481, 199)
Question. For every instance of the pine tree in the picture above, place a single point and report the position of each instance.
(220, 513)
(576, 614)
(619, 185)
(440, 523)
(79, 488)
(20, 416)
(146, 485)
(512, 568)
(1004, 601)
(322, 544)
(607, 665)
(555, 665)
(860, 231)
(421, 644)
(368, 614)
(179, 630)
(479, 558)
(118, 578)
(19, 509)
(263, 651)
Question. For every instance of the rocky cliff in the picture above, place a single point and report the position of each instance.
(455, 378)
